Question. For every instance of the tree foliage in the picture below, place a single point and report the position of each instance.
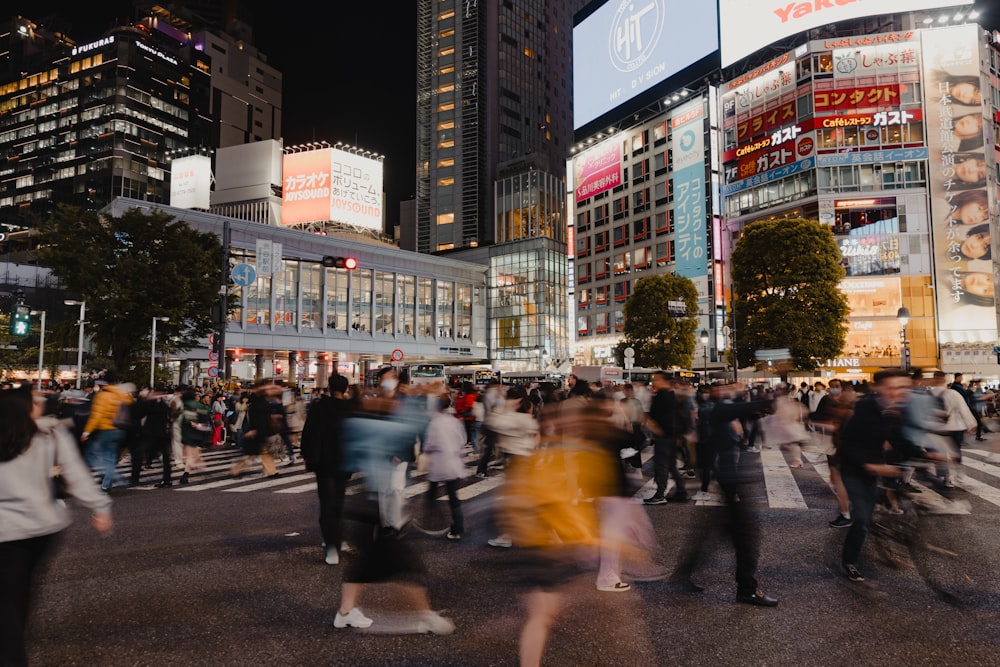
(786, 276)
(130, 269)
(659, 339)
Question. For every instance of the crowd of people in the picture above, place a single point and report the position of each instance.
(558, 449)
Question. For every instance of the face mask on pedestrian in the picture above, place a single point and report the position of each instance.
(389, 384)
(834, 391)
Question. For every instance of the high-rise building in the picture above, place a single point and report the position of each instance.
(82, 122)
(494, 127)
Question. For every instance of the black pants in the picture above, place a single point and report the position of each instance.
(736, 521)
(332, 488)
(148, 447)
(706, 463)
(20, 561)
(665, 465)
(489, 445)
(451, 486)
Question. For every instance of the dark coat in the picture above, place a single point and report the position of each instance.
(258, 424)
(322, 436)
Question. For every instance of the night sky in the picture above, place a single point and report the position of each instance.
(348, 68)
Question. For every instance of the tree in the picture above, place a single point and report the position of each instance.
(786, 276)
(130, 269)
(659, 339)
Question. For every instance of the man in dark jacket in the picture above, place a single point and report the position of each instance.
(321, 445)
(877, 420)
(153, 416)
(662, 423)
(724, 435)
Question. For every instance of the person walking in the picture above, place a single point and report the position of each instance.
(31, 515)
(153, 415)
(321, 446)
(739, 523)
(105, 431)
(260, 426)
(443, 442)
(662, 423)
(196, 432)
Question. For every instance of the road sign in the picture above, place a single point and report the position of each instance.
(772, 355)
(213, 372)
(397, 355)
(629, 353)
(244, 275)
(676, 308)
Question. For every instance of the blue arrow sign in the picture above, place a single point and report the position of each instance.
(244, 275)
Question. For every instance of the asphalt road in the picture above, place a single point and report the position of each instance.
(233, 575)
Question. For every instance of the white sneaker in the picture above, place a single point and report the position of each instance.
(501, 541)
(352, 619)
(701, 495)
(332, 557)
(433, 622)
(619, 587)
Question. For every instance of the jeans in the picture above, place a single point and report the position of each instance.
(102, 454)
(862, 492)
(665, 464)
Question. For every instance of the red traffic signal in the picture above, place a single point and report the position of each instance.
(349, 263)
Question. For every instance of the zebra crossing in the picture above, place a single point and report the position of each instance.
(783, 487)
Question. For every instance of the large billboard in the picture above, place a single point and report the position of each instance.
(958, 180)
(626, 47)
(746, 26)
(598, 169)
(331, 184)
(191, 182)
(687, 126)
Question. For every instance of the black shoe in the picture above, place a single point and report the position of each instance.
(163, 484)
(277, 474)
(906, 486)
(184, 478)
(757, 598)
(655, 500)
(841, 522)
(481, 475)
(980, 438)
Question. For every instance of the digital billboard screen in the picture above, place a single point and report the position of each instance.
(331, 184)
(625, 48)
(746, 26)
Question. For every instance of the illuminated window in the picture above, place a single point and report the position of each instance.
(446, 88)
(446, 106)
(447, 143)
(447, 69)
(529, 52)
(447, 32)
(446, 162)
(446, 125)
(450, 180)
(445, 218)
(446, 246)
(446, 14)
(446, 51)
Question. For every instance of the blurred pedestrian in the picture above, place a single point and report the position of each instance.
(321, 446)
(105, 430)
(153, 415)
(260, 427)
(443, 442)
(32, 516)
(196, 432)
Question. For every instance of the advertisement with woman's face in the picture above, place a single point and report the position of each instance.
(957, 179)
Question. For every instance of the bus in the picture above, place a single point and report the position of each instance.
(527, 378)
(477, 375)
(645, 375)
(616, 375)
(426, 373)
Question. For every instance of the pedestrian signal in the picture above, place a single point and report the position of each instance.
(349, 263)
(20, 320)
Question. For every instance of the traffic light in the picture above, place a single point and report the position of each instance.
(216, 341)
(349, 263)
(20, 320)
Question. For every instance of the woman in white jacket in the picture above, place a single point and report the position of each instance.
(31, 514)
(443, 442)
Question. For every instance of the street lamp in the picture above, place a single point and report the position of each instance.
(704, 343)
(152, 351)
(903, 315)
(41, 347)
(79, 345)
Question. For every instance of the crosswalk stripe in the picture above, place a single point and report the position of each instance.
(782, 490)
